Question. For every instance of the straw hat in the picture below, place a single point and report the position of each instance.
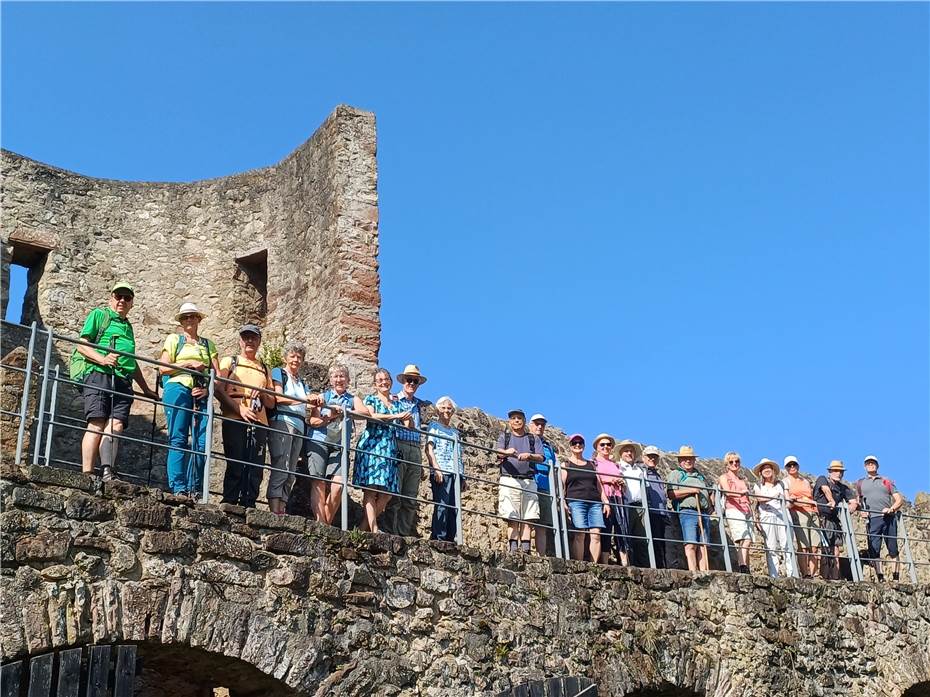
(685, 451)
(765, 462)
(602, 436)
(411, 371)
(626, 442)
(188, 309)
(836, 465)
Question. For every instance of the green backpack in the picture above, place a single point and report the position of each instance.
(78, 365)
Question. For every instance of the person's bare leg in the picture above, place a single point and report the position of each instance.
(333, 499)
(744, 552)
(541, 537)
(701, 554)
(318, 499)
(578, 546)
(690, 557)
(595, 542)
(513, 535)
(90, 444)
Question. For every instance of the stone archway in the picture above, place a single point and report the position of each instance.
(664, 689)
(921, 689)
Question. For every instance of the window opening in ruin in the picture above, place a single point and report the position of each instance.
(27, 264)
(250, 299)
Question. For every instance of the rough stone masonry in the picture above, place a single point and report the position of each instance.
(284, 606)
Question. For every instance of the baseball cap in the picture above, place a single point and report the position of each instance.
(122, 285)
(870, 457)
(253, 328)
(576, 436)
(539, 417)
(650, 450)
(516, 411)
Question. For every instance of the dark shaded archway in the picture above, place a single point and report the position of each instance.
(181, 671)
(921, 689)
(664, 689)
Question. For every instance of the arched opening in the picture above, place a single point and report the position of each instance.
(664, 689)
(180, 671)
(921, 689)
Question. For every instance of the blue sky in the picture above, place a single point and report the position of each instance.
(680, 223)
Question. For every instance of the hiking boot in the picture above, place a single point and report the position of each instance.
(880, 578)
(107, 474)
(895, 576)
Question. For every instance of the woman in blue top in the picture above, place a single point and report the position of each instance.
(376, 451)
(185, 399)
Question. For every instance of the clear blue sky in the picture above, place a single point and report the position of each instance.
(697, 223)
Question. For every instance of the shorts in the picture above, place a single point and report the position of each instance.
(586, 514)
(830, 531)
(516, 499)
(739, 524)
(883, 527)
(105, 405)
(322, 459)
(545, 507)
(804, 525)
(691, 533)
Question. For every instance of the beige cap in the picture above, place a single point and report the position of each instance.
(651, 450)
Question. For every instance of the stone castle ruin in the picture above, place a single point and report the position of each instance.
(284, 606)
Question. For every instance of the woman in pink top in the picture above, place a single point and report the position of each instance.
(737, 509)
(608, 472)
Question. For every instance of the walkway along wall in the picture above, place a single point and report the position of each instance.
(293, 246)
(319, 612)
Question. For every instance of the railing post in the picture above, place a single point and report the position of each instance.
(647, 524)
(718, 504)
(556, 531)
(457, 487)
(46, 364)
(559, 496)
(208, 440)
(53, 412)
(344, 470)
(792, 551)
(21, 433)
(855, 566)
(911, 569)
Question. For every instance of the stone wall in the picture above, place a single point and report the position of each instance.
(321, 612)
(293, 246)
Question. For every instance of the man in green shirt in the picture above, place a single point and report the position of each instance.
(107, 390)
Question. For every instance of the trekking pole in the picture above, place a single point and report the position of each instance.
(148, 481)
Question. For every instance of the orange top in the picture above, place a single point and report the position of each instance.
(800, 488)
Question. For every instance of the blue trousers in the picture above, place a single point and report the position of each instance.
(185, 470)
(443, 527)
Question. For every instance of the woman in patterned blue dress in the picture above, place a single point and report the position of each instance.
(374, 468)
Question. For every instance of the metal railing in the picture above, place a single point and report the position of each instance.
(50, 417)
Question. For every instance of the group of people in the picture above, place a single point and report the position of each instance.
(618, 493)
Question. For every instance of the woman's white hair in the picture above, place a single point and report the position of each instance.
(444, 400)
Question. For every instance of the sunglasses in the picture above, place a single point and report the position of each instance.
(187, 317)
(733, 462)
(125, 297)
(576, 443)
(604, 443)
(411, 381)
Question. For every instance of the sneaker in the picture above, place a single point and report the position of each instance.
(108, 474)
(895, 576)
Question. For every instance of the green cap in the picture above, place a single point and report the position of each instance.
(122, 285)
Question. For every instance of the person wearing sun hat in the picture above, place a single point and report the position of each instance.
(629, 457)
(611, 478)
(691, 498)
(185, 398)
(107, 378)
(769, 497)
(400, 516)
(829, 492)
(803, 510)
(657, 498)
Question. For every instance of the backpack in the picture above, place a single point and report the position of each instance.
(204, 342)
(234, 363)
(273, 411)
(532, 440)
(78, 365)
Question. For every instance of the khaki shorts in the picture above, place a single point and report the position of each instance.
(739, 524)
(517, 500)
(805, 529)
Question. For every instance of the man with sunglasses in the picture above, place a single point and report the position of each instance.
(401, 515)
(107, 382)
(829, 492)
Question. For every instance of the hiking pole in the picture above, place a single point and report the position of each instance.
(148, 481)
